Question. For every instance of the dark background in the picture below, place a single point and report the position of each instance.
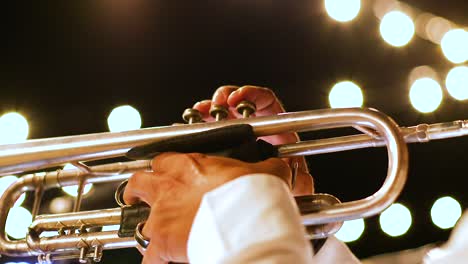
(66, 65)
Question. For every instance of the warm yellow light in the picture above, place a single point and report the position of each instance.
(61, 205)
(5, 182)
(351, 230)
(397, 28)
(425, 95)
(73, 190)
(18, 222)
(457, 82)
(124, 118)
(445, 212)
(343, 10)
(454, 45)
(14, 128)
(345, 94)
(395, 220)
(436, 28)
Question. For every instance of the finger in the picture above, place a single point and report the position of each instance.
(284, 138)
(204, 108)
(220, 97)
(152, 255)
(267, 104)
(141, 187)
(304, 184)
(264, 99)
(165, 161)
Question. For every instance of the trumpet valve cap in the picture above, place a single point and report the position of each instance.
(246, 108)
(219, 112)
(191, 115)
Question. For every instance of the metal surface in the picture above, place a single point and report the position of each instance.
(38, 154)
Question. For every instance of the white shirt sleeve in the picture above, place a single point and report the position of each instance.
(252, 219)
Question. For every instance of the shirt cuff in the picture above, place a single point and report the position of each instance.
(251, 217)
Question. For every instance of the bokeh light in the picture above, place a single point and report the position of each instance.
(343, 10)
(61, 205)
(351, 230)
(73, 190)
(445, 212)
(397, 28)
(395, 220)
(345, 94)
(436, 27)
(425, 95)
(5, 182)
(14, 128)
(18, 222)
(457, 82)
(454, 45)
(124, 118)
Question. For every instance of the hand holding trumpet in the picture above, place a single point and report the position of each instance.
(176, 185)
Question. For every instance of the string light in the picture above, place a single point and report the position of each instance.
(397, 28)
(124, 118)
(14, 128)
(396, 220)
(18, 222)
(351, 230)
(5, 182)
(425, 95)
(345, 94)
(343, 10)
(73, 189)
(445, 212)
(457, 82)
(454, 45)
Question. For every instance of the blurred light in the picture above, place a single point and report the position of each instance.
(60, 205)
(436, 28)
(425, 95)
(457, 82)
(445, 212)
(73, 190)
(14, 128)
(345, 94)
(382, 7)
(454, 45)
(343, 10)
(18, 222)
(17, 262)
(351, 230)
(397, 28)
(395, 220)
(5, 182)
(420, 72)
(124, 118)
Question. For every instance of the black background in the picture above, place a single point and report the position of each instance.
(66, 65)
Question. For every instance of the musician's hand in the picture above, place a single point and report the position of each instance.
(174, 191)
(267, 104)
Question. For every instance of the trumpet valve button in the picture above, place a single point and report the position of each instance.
(219, 112)
(246, 108)
(191, 115)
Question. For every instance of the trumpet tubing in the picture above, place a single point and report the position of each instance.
(379, 130)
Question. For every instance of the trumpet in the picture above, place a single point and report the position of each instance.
(76, 236)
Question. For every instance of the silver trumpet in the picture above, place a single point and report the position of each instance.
(75, 238)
